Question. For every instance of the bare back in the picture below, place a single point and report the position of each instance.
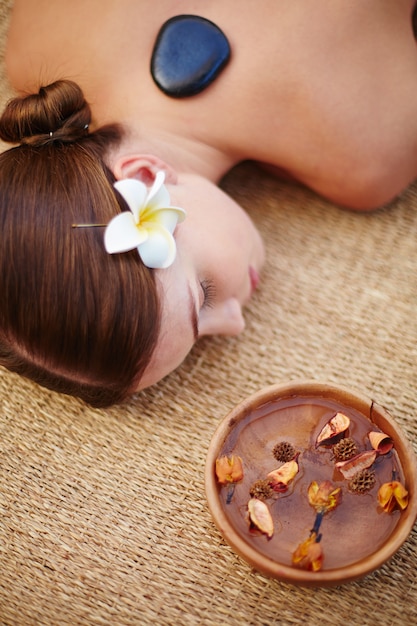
(318, 88)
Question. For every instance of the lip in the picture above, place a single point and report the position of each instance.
(254, 278)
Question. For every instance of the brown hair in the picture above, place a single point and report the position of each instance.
(72, 317)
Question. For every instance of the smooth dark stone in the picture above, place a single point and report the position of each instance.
(189, 54)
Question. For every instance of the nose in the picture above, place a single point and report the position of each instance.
(225, 318)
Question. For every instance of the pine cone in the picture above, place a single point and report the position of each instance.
(345, 449)
(261, 489)
(284, 451)
(362, 482)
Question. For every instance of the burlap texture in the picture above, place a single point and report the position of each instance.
(103, 513)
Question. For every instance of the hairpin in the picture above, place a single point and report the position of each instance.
(88, 225)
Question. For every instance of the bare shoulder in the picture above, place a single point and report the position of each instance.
(32, 51)
(81, 39)
(345, 119)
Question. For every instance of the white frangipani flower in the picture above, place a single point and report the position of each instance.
(148, 226)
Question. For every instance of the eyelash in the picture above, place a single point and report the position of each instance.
(209, 291)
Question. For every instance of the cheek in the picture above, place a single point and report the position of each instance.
(169, 353)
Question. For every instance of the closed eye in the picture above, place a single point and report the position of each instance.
(209, 291)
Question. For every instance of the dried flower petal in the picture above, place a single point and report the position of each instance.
(229, 469)
(324, 497)
(393, 495)
(280, 478)
(361, 461)
(335, 427)
(309, 554)
(260, 517)
(381, 442)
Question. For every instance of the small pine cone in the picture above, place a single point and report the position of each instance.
(284, 451)
(362, 482)
(345, 449)
(261, 489)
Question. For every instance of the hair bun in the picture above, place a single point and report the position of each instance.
(58, 112)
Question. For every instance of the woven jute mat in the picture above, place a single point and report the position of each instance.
(103, 513)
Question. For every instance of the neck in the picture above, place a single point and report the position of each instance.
(185, 153)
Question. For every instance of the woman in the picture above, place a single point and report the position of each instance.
(327, 96)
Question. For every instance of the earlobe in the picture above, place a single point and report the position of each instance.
(143, 167)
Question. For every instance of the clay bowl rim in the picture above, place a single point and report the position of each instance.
(380, 416)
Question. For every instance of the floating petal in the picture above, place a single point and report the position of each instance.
(381, 442)
(309, 555)
(361, 461)
(260, 517)
(281, 477)
(324, 497)
(335, 427)
(392, 495)
(229, 469)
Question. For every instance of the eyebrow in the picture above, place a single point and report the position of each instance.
(193, 315)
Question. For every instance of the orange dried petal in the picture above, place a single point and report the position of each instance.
(309, 554)
(381, 442)
(336, 426)
(260, 517)
(324, 497)
(281, 477)
(229, 469)
(359, 462)
(392, 495)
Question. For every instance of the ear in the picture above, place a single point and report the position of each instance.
(143, 167)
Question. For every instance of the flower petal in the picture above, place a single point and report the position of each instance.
(324, 497)
(122, 234)
(158, 251)
(134, 193)
(334, 428)
(166, 217)
(380, 441)
(280, 478)
(260, 517)
(360, 461)
(229, 469)
(309, 554)
(158, 195)
(392, 495)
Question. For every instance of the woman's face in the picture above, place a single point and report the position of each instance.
(219, 257)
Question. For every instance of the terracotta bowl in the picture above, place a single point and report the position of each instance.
(355, 537)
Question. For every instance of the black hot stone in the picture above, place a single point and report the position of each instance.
(188, 55)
